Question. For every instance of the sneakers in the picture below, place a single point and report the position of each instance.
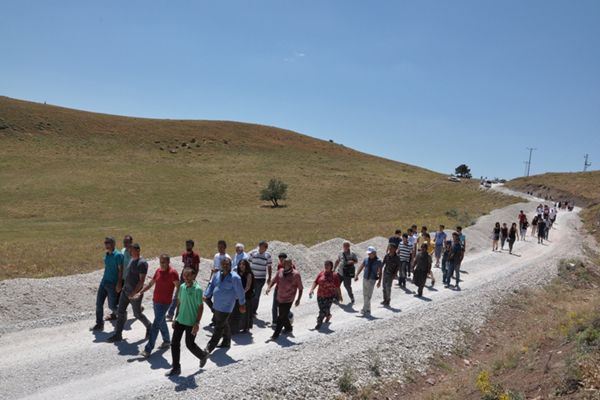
(97, 328)
(174, 371)
(114, 338)
(164, 345)
(111, 317)
(145, 353)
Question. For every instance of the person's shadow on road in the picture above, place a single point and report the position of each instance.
(221, 358)
(183, 383)
(349, 308)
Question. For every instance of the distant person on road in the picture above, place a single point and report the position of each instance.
(239, 255)
(288, 282)
(110, 284)
(247, 277)
(134, 282)
(453, 263)
(496, 236)
(513, 235)
(522, 218)
(439, 239)
(345, 265)
(187, 319)
(523, 229)
(262, 267)
(534, 225)
(190, 259)
(541, 230)
(425, 239)
(390, 267)
(503, 235)
(166, 280)
(422, 269)
(372, 271)
(405, 252)
(328, 283)
(225, 290)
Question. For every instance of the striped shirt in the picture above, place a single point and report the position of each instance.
(260, 263)
(405, 251)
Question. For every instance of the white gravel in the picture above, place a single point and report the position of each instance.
(49, 353)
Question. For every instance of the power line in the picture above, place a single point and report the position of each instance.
(586, 163)
(531, 149)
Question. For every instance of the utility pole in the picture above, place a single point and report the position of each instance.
(531, 149)
(526, 164)
(586, 163)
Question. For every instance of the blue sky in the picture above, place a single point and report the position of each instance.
(430, 83)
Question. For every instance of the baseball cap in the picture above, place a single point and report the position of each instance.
(371, 249)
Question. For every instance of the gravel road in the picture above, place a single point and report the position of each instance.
(48, 352)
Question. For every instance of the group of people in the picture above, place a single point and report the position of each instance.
(236, 283)
(541, 223)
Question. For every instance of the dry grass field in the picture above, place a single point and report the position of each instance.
(68, 178)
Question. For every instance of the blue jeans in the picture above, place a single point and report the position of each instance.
(159, 324)
(449, 271)
(106, 289)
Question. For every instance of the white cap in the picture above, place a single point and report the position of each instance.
(371, 249)
(239, 245)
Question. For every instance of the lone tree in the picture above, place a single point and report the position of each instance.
(276, 190)
(463, 171)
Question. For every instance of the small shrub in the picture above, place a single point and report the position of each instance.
(347, 381)
(374, 363)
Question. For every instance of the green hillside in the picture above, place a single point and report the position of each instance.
(68, 178)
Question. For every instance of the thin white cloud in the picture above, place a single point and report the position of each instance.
(294, 57)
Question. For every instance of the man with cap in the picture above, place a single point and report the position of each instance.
(346, 261)
(134, 282)
(390, 266)
(372, 271)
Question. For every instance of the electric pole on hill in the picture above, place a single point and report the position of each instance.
(531, 149)
(586, 163)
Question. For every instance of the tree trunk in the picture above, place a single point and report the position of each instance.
(275, 204)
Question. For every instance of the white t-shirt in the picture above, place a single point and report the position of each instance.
(218, 259)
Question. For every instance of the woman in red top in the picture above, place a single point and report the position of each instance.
(329, 289)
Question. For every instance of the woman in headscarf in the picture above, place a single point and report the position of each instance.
(329, 289)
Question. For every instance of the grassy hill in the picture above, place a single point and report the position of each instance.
(583, 188)
(68, 178)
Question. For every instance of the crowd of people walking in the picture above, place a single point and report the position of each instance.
(541, 223)
(236, 283)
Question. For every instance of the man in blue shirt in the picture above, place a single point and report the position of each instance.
(110, 283)
(439, 239)
(372, 266)
(225, 289)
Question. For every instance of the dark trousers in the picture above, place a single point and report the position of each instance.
(136, 305)
(258, 285)
(284, 320)
(222, 330)
(274, 307)
(190, 343)
(106, 289)
(324, 308)
(347, 281)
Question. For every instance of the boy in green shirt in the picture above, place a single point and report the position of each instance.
(187, 319)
